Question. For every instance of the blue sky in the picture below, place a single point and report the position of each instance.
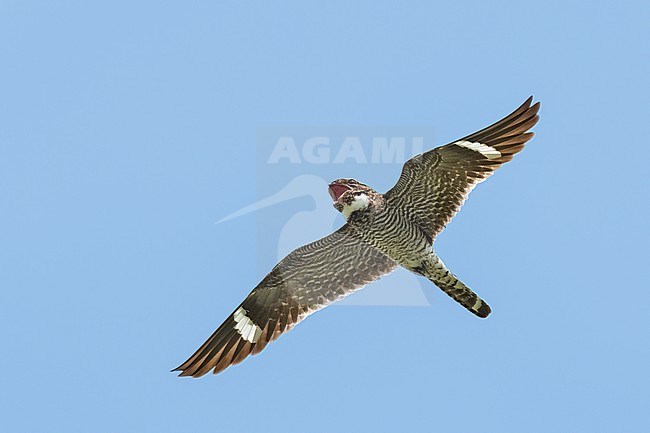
(127, 129)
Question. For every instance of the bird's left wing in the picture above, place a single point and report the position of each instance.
(308, 279)
(434, 185)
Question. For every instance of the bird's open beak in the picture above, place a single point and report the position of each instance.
(336, 190)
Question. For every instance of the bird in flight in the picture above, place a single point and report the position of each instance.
(382, 232)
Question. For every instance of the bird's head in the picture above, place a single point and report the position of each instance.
(351, 196)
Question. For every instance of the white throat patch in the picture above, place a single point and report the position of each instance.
(361, 201)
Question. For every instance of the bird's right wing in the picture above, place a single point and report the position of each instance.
(308, 279)
(434, 185)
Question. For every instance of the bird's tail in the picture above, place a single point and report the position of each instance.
(435, 270)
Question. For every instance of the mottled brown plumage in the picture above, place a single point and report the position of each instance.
(383, 231)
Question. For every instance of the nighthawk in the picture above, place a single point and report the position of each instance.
(383, 231)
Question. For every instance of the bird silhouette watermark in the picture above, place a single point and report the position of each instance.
(294, 166)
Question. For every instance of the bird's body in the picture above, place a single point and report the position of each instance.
(383, 231)
(389, 230)
(398, 234)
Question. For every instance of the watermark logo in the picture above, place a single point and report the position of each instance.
(293, 167)
(321, 150)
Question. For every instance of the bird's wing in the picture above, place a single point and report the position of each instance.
(308, 279)
(434, 185)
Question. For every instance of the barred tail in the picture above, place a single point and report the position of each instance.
(434, 269)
